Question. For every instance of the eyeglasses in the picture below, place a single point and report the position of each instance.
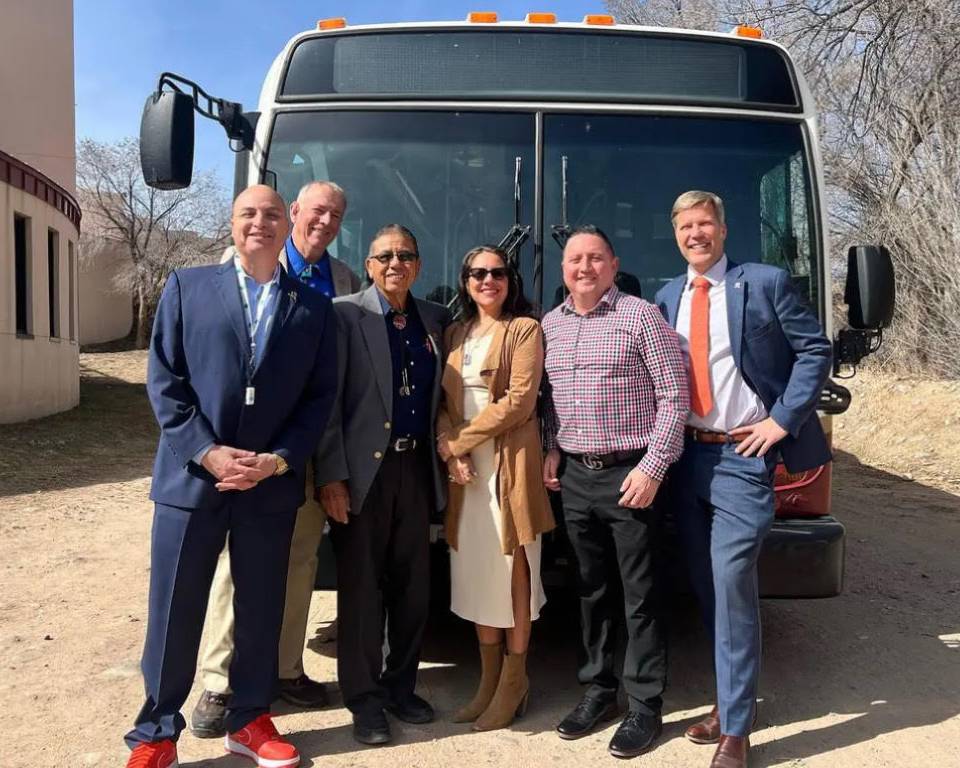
(480, 273)
(387, 256)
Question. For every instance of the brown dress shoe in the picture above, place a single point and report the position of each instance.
(706, 731)
(731, 752)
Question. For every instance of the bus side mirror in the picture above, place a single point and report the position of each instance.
(869, 292)
(166, 140)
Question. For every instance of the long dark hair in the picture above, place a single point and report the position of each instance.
(515, 305)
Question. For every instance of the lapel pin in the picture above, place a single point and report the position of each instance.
(293, 296)
(736, 285)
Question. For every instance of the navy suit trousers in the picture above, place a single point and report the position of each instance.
(185, 546)
(723, 508)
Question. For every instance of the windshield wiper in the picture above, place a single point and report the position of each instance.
(561, 232)
(518, 233)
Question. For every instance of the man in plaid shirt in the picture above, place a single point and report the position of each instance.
(614, 424)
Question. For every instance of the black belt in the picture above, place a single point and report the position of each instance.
(402, 444)
(598, 461)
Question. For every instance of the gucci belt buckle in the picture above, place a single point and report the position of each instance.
(591, 461)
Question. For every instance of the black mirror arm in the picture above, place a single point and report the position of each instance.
(851, 346)
(228, 113)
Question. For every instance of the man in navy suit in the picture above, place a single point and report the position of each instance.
(758, 360)
(242, 378)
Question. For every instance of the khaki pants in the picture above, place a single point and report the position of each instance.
(301, 575)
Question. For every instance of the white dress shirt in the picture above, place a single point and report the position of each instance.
(734, 403)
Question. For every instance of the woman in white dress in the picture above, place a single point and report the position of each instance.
(489, 435)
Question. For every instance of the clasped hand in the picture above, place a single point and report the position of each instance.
(237, 469)
(460, 470)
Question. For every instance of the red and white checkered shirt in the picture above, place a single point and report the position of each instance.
(617, 381)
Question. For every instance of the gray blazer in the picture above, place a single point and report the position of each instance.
(345, 279)
(357, 434)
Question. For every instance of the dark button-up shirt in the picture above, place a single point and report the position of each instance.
(410, 349)
(318, 276)
(617, 381)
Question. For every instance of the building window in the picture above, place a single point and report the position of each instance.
(53, 281)
(72, 267)
(22, 269)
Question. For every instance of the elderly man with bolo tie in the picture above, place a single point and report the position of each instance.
(758, 360)
(379, 479)
(239, 377)
(614, 424)
(315, 216)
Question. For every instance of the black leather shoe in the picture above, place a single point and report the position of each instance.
(303, 692)
(411, 709)
(371, 728)
(206, 721)
(636, 734)
(585, 716)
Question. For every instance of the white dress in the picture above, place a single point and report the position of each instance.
(480, 574)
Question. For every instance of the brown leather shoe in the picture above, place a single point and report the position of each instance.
(706, 731)
(731, 752)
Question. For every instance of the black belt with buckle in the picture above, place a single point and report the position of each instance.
(598, 461)
(402, 444)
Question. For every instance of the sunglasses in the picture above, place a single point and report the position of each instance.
(480, 273)
(404, 256)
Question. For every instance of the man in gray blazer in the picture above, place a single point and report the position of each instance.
(315, 215)
(379, 478)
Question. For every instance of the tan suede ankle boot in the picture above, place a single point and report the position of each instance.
(510, 699)
(491, 661)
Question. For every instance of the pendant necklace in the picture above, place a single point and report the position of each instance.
(469, 348)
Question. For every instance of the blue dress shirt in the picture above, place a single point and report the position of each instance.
(318, 276)
(410, 349)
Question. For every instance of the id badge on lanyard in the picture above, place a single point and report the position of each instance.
(253, 318)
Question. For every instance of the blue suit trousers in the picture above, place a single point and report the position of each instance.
(185, 546)
(724, 505)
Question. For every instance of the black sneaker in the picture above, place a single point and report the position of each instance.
(585, 716)
(411, 709)
(303, 692)
(371, 728)
(206, 720)
(636, 734)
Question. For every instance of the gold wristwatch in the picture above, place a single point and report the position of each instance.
(282, 465)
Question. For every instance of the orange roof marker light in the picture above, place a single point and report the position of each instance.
(599, 19)
(335, 23)
(541, 18)
(742, 30)
(482, 17)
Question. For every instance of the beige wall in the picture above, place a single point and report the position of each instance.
(39, 375)
(36, 87)
(106, 311)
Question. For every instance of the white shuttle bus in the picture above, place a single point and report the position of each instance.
(513, 132)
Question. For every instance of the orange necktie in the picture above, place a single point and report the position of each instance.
(701, 400)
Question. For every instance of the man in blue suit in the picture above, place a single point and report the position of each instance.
(758, 360)
(242, 378)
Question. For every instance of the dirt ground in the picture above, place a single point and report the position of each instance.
(871, 678)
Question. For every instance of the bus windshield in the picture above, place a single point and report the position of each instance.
(450, 177)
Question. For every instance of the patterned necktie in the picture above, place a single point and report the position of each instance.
(306, 273)
(701, 400)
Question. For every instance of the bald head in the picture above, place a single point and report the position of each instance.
(259, 222)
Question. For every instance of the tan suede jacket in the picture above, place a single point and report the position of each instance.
(513, 369)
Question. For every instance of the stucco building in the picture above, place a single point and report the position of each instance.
(39, 215)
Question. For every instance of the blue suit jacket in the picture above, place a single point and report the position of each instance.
(780, 350)
(196, 381)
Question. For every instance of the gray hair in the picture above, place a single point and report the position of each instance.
(694, 198)
(332, 186)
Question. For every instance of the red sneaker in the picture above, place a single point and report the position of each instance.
(154, 754)
(260, 741)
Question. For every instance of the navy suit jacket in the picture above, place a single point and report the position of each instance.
(779, 349)
(196, 382)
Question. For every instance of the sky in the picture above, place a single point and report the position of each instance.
(226, 46)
